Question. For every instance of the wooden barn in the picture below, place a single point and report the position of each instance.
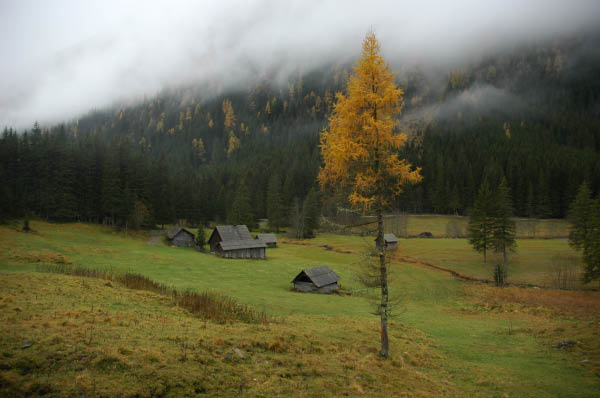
(181, 237)
(269, 239)
(391, 242)
(317, 279)
(235, 241)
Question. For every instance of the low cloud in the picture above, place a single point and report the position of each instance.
(63, 58)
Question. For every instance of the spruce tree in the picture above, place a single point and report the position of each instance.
(503, 226)
(591, 248)
(241, 212)
(481, 220)
(580, 216)
(275, 212)
(312, 213)
(200, 238)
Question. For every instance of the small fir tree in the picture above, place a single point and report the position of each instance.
(580, 216)
(503, 226)
(481, 220)
(591, 247)
(200, 238)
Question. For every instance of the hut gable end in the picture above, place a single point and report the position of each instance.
(320, 279)
(181, 237)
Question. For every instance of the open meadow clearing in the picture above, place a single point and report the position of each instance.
(450, 338)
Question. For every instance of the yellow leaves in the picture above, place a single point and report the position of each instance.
(268, 107)
(229, 122)
(198, 146)
(233, 144)
(359, 149)
(506, 127)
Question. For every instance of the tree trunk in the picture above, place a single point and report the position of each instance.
(384, 286)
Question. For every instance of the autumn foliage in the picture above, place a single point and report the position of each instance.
(360, 148)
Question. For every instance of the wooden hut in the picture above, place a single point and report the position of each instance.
(391, 242)
(269, 239)
(235, 241)
(181, 237)
(317, 279)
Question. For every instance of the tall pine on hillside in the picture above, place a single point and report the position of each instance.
(360, 150)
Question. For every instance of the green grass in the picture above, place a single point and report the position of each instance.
(444, 337)
(456, 226)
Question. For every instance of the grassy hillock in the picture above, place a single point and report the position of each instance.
(67, 335)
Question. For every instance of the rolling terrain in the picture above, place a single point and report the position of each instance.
(450, 337)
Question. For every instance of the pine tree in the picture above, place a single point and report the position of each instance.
(503, 227)
(312, 213)
(275, 212)
(241, 211)
(360, 150)
(481, 220)
(591, 248)
(200, 238)
(580, 216)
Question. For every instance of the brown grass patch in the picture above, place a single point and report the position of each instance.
(208, 305)
(570, 303)
(41, 256)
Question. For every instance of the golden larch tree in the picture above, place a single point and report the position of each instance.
(360, 150)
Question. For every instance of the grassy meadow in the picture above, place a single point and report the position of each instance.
(95, 337)
(444, 226)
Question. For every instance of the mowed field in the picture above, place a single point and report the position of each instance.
(450, 337)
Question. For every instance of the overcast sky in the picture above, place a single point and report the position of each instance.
(60, 58)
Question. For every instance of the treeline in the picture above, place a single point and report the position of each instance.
(61, 177)
(185, 153)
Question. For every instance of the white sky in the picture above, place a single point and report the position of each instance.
(61, 58)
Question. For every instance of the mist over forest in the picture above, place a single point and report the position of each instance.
(177, 115)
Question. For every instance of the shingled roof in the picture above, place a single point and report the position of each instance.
(173, 233)
(233, 232)
(320, 276)
(390, 238)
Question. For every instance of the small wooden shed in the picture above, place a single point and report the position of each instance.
(317, 279)
(181, 237)
(391, 242)
(269, 239)
(235, 241)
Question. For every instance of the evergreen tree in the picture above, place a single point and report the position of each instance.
(200, 238)
(275, 212)
(580, 216)
(241, 210)
(503, 226)
(481, 220)
(312, 213)
(591, 248)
